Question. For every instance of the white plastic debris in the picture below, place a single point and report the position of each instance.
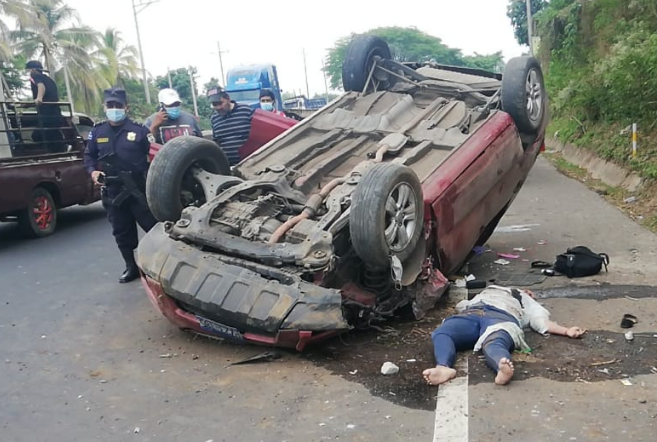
(388, 368)
(626, 382)
(411, 360)
(502, 262)
(461, 283)
(137, 430)
(353, 372)
(519, 249)
(470, 278)
(351, 426)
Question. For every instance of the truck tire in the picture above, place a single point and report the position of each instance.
(39, 218)
(387, 214)
(523, 94)
(170, 186)
(360, 56)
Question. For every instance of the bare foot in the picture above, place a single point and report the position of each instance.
(438, 375)
(505, 372)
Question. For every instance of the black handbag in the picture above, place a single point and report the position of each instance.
(580, 261)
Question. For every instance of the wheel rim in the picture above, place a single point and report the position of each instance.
(42, 212)
(401, 222)
(534, 96)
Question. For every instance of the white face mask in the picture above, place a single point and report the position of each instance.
(267, 106)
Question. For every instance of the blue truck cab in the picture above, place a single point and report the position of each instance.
(244, 84)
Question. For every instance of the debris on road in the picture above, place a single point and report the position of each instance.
(629, 336)
(508, 255)
(166, 356)
(542, 242)
(267, 356)
(353, 372)
(630, 200)
(502, 262)
(388, 368)
(626, 382)
(519, 249)
(137, 430)
(628, 321)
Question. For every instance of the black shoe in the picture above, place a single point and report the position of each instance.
(130, 274)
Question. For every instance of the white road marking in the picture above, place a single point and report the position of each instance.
(516, 229)
(452, 410)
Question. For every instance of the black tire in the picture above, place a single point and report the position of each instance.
(369, 221)
(39, 218)
(169, 177)
(360, 56)
(523, 94)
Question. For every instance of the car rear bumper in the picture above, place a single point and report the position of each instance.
(237, 300)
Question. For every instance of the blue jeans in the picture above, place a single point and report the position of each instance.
(461, 332)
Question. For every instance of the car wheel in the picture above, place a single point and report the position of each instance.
(360, 56)
(523, 94)
(387, 213)
(39, 218)
(170, 183)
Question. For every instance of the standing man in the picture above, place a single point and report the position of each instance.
(44, 90)
(268, 102)
(231, 123)
(171, 121)
(117, 157)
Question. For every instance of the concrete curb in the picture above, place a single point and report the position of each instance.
(605, 171)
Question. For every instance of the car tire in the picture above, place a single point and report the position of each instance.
(39, 218)
(387, 214)
(523, 94)
(169, 184)
(359, 58)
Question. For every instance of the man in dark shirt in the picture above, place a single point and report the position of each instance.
(44, 92)
(231, 123)
(170, 121)
(129, 143)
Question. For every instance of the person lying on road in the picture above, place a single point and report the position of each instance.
(493, 322)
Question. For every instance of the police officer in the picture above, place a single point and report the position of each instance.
(127, 143)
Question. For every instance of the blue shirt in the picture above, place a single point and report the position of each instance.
(232, 130)
(130, 141)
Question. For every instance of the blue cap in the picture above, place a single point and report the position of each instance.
(115, 94)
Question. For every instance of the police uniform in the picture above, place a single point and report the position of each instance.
(130, 142)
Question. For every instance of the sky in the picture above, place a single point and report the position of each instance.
(179, 33)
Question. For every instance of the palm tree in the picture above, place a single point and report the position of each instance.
(48, 34)
(16, 9)
(119, 60)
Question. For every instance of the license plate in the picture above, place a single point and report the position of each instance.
(219, 329)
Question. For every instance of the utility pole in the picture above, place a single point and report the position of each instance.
(221, 64)
(143, 5)
(305, 69)
(191, 84)
(530, 27)
(169, 77)
(325, 82)
(68, 88)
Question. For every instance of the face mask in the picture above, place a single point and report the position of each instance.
(115, 115)
(173, 112)
(267, 106)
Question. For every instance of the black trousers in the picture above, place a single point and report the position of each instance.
(124, 220)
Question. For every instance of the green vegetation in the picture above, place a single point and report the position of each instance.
(600, 59)
(410, 44)
(52, 32)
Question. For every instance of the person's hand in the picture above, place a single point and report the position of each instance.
(94, 177)
(160, 118)
(38, 101)
(575, 332)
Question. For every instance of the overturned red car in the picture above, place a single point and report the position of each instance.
(349, 216)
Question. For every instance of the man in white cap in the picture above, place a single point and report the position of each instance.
(171, 121)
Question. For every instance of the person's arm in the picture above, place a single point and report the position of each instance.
(571, 332)
(41, 91)
(156, 121)
(91, 157)
(197, 129)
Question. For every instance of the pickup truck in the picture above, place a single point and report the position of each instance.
(38, 176)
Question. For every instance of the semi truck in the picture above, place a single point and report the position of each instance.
(245, 83)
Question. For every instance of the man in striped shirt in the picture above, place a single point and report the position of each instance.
(231, 123)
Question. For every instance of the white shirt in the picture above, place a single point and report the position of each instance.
(530, 313)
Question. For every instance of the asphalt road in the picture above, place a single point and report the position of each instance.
(85, 358)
